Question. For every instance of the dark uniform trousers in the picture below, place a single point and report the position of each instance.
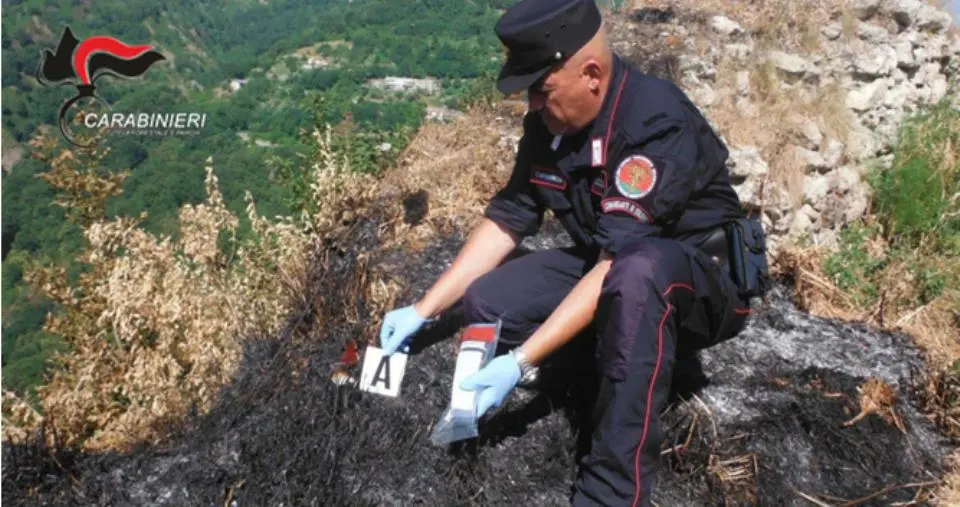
(658, 294)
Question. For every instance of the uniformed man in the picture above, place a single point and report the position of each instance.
(637, 177)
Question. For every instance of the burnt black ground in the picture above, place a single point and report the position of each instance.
(286, 435)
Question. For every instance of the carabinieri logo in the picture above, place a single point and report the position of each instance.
(81, 63)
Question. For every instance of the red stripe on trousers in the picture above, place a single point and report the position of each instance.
(653, 383)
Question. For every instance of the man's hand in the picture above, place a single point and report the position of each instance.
(398, 327)
(494, 382)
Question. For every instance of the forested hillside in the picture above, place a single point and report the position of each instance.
(264, 73)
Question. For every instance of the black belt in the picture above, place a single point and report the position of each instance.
(716, 246)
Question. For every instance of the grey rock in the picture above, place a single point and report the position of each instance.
(746, 162)
(704, 96)
(833, 153)
(805, 220)
(866, 96)
(737, 51)
(815, 190)
(846, 179)
(827, 238)
(743, 83)
(811, 161)
(872, 33)
(802, 225)
(779, 210)
(903, 11)
(832, 31)
(749, 193)
(875, 63)
(789, 65)
(863, 9)
(933, 49)
(808, 210)
(931, 19)
(697, 67)
(898, 76)
(938, 89)
(905, 56)
(856, 203)
(862, 144)
(897, 95)
(725, 26)
(811, 134)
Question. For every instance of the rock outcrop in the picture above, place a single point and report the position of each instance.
(879, 60)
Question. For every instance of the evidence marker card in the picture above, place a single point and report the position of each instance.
(382, 374)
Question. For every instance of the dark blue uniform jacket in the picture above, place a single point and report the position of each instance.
(649, 165)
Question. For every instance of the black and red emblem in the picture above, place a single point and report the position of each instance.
(81, 62)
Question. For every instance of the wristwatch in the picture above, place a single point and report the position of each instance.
(528, 372)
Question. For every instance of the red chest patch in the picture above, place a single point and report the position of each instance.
(636, 176)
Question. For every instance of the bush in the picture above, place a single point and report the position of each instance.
(906, 255)
(919, 197)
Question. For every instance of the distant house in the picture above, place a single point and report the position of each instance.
(442, 114)
(236, 84)
(405, 84)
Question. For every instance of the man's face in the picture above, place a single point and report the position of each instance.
(561, 96)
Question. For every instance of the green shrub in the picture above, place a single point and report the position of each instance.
(919, 196)
(912, 254)
(853, 268)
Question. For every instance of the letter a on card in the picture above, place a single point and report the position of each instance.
(382, 374)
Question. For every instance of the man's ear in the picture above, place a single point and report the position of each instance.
(593, 71)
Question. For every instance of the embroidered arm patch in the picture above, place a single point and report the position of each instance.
(635, 177)
(625, 206)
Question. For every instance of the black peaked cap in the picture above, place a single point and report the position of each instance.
(540, 33)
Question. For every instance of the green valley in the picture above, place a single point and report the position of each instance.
(265, 72)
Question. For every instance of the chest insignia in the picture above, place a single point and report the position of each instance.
(636, 176)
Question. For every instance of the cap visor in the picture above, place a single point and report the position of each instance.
(508, 83)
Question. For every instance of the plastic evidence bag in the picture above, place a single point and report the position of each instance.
(477, 346)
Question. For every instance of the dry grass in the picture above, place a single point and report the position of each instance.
(813, 290)
(933, 326)
(734, 478)
(877, 397)
(156, 325)
(451, 170)
(939, 395)
(775, 23)
(948, 494)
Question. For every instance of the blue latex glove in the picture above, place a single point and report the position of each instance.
(398, 327)
(494, 381)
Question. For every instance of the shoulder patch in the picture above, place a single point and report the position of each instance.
(636, 176)
(625, 206)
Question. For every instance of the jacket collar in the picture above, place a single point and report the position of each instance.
(593, 152)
